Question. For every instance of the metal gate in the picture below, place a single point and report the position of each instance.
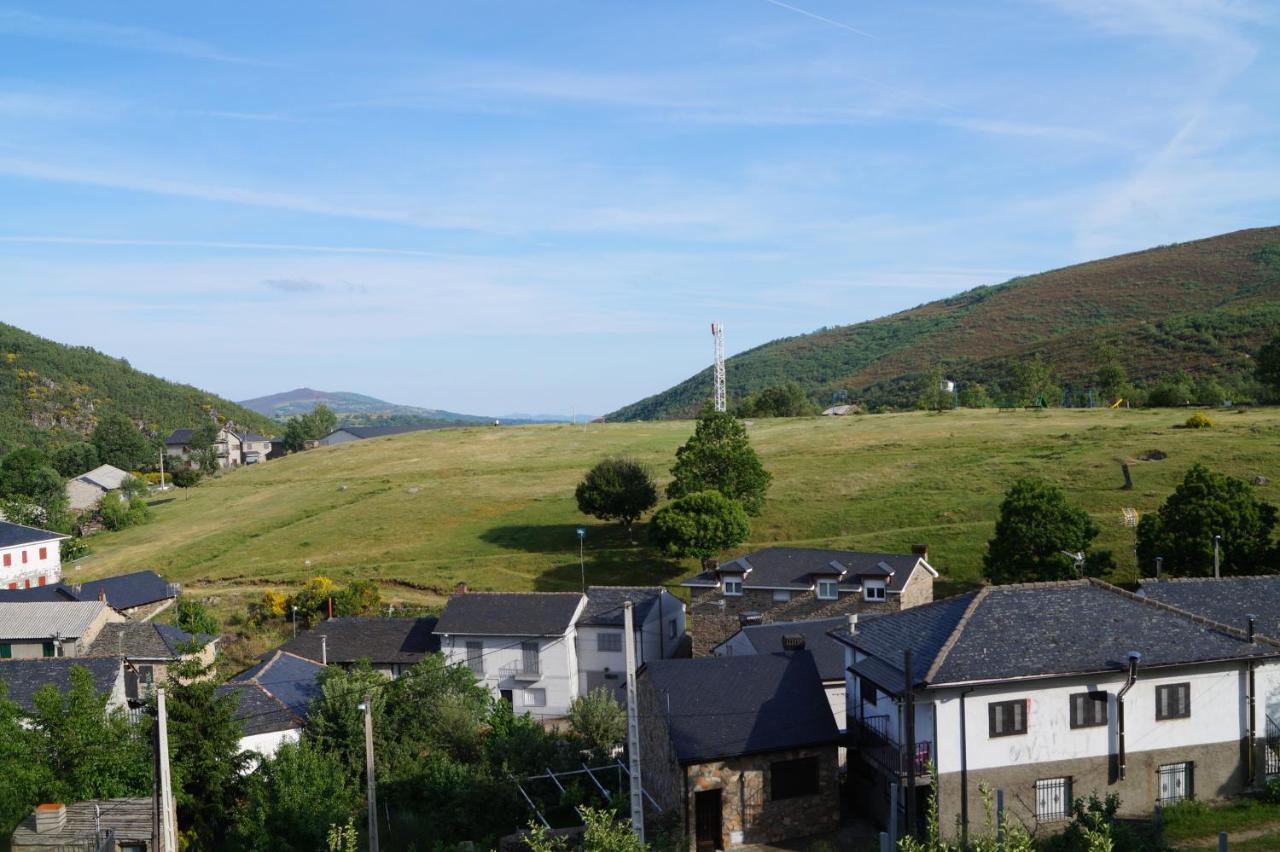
(1271, 759)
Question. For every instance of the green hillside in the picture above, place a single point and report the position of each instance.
(353, 409)
(51, 393)
(1203, 307)
(495, 507)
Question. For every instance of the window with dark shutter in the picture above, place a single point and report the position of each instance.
(1088, 709)
(867, 690)
(790, 779)
(1006, 718)
(609, 642)
(475, 658)
(1173, 701)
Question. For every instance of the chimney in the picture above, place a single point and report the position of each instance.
(324, 650)
(920, 550)
(853, 624)
(1253, 620)
(461, 588)
(102, 594)
(51, 818)
(793, 642)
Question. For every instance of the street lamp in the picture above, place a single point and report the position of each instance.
(582, 564)
(295, 622)
(1217, 543)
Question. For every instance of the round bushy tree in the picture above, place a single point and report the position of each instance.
(1036, 530)
(1204, 505)
(719, 458)
(75, 459)
(701, 524)
(120, 443)
(1267, 365)
(617, 489)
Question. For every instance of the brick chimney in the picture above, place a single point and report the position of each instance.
(51, 818)
(921, 550)
(102, 593)
(461, 588)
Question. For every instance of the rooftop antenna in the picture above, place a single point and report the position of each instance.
(1077, 558)
(717, 332)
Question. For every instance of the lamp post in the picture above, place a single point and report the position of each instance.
(582, 564)
(1217, 542)
(295, 622)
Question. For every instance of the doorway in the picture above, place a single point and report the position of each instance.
(507, 696)
(706, 808)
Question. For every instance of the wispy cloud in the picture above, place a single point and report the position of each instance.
(304, 248)
(815, 16)
(293, 285)
(79, 31)
(1004, 127)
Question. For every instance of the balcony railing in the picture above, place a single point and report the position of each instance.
(524, 670)
(871, 737)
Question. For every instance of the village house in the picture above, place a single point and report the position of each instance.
(274, 698)
(793, 584)
(254, 448)
(391, 646)
(1226, 600)
(739, 750)
(228, 447)
(85, 491)
(346, 434)
(102, 825)
(1053, 691)
(24, 678)
(62, 629)
(140, 595)
(658, 623)
(149, 650)
(29, 557)
(522, 646)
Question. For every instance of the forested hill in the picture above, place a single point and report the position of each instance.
(52, 394)
(1202, 307)
(352, 408)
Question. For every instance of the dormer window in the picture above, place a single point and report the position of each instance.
(828, 590)
(732, 587)
(873, 590)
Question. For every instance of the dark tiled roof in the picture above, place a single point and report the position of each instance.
(383, 431)
(179, 437)
(727, 706)
(378, 640)
(1045, 629)
(276, 694)
(509, 613)
(252, 437)
(1229, 601)
(127, 590)
(828, 654)
(604, 604)
(25, 677)
(56, 593)
(143, 640)
(12, 535)
(795, 567)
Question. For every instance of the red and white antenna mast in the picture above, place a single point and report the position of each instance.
(717, 332)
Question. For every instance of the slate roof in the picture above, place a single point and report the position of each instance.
(276, 694)
(123, 592)
(43, 620)
(604, 604)
(15, 535)
(1229, 600)
(795, 567)
(128, 819)
(25, 677)
(252, 437)
(509, 613)
(179, 437)
(1040, 630)
(729, 706)
(143, 640)
(105, 476)
(383, 431)
(828, 654)
(379, 640)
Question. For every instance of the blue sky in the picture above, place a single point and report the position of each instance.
(508, 206)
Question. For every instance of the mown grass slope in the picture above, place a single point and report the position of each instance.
(495, 508)
(1203, 306)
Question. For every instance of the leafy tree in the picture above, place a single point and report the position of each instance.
(28, 473)
(605, 832)
(359, 597)
(336, 724)
(75, 459)
(787, 400)
(1266, 365)
(1169, 394)
(120, 443)
(719, 457)
(321, 421)
(1204, 505)
(1033, 382)
(295, 435)
(598, 719)
(292, 800)
(617, 488)
(117, 513)
(185, 477)
(973, 395)
(1036, 530)
(1113, 381)
(202, 449)
(194, 617)
(204, 737)
(701, 524)
(933, 397)
(22, 773)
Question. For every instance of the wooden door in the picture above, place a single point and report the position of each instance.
(706, 807)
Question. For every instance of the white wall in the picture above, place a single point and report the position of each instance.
(1218, 714)
(652, 640)
(269, 743)
(19, 574)
(887, 705)
(557, 659)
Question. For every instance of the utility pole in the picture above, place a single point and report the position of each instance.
(162, 452)
(1217, 542)
(168, 816)
(909, 723)
(582, 562)
(367, 707)
(633, 723)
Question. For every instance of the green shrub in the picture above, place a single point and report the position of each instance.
(185, 478)
(1198, 421)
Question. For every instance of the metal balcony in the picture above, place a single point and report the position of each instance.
(870, 736)
(526, 671)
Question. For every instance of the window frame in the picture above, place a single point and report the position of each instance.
(881, 593)
(737, 584)
(1167, 688)
(533, 690)
(798, 777)
(781, 595)
(1091, 700)
(613, 637)
(994, 707)
(832, 585)
(1064, 782)
(475, 663)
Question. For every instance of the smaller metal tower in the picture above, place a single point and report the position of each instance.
(717, 332)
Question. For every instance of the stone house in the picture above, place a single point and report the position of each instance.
(52, 629)
(227, 447)
(85, 491)
(739, 750)
(149, 649)
(391, 646)
(795, 584)
(1053, 691)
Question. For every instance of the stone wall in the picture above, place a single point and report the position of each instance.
(1218, 770)
(661, 774)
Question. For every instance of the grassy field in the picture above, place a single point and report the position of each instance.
(495, 508)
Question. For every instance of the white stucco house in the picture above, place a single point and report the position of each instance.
(658, 621)
(1052, 691)
(29, 557)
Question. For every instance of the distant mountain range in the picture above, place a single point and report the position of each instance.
(1203, 307)
(356, 409)
(52, 394)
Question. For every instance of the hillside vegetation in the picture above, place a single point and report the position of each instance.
(353, 409)
(52, 394)
(1203, 307)
(495, 507)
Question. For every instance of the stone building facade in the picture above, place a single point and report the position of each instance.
(801, 584)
